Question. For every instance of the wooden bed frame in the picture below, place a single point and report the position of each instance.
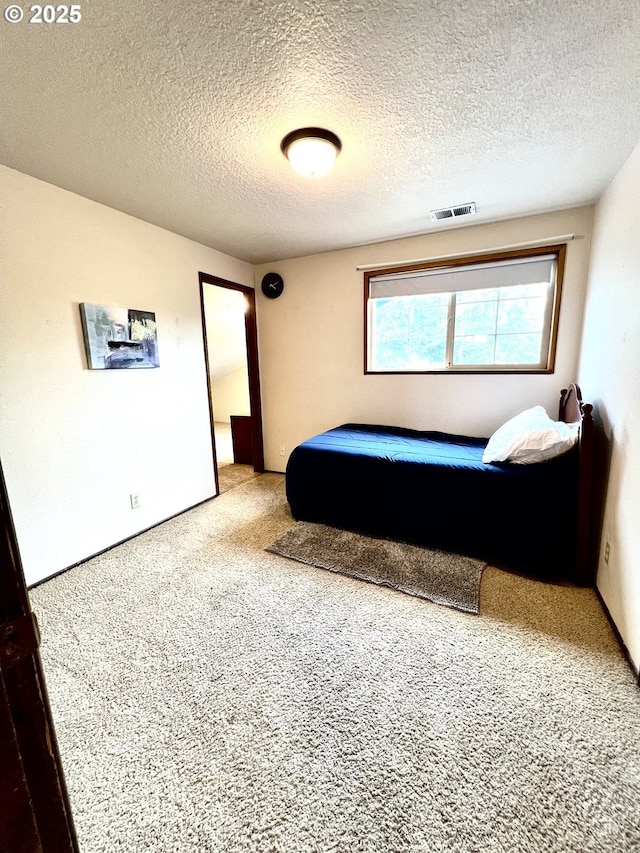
(573, 410)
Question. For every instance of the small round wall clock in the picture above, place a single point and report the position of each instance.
(272, 285)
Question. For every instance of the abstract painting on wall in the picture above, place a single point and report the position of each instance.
(117, 338)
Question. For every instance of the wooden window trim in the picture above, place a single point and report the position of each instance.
(558, 249)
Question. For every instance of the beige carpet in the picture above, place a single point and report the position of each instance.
(231, 476)
(230, 473)
(211, 696)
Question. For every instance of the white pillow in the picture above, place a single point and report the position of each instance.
(530, 437)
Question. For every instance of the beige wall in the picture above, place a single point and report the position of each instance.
(610, 371)
(311, 342)
(230, 395)
(75, 442)
(224, 311)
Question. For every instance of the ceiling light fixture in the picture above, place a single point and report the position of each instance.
(311, 151)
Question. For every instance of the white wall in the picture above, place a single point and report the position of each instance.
(224, 311)
(75, 442)
(230, 395)
(312, 340)
(610, 370)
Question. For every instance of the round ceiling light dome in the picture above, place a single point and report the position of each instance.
(312, 151)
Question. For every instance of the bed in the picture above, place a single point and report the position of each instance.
(434, 490)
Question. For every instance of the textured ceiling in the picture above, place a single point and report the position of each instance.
(174, 112)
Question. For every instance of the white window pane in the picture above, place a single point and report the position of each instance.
(475, 349)
(518, 349)
(521, 315)
(390, 344)
(476, 318)
(409, 333)
(428, 353)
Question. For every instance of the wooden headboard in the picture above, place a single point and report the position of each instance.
(573, 410)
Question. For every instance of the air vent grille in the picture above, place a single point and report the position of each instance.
(451, 212)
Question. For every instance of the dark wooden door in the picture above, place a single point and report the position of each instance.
(35, 816)
(242, 439)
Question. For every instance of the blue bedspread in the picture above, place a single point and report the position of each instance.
(433, 489)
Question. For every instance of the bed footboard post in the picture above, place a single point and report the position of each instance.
(561, 404)
(585, 482)
(573, 410)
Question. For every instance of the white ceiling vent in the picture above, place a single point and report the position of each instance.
(452, 212)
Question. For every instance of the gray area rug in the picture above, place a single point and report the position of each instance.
(449, 579)
(211, 697)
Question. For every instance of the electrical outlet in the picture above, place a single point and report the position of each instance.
(282, 450)
(135, 500)
(607, 552)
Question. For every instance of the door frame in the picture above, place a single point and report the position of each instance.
(253, 368)
(36, 814)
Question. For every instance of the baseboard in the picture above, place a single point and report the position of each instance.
(618, 635)
(120, 542)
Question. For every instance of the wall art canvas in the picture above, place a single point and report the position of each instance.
(117, 338)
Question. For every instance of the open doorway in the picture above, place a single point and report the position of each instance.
(231, 354)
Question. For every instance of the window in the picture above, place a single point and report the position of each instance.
(494, 313)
